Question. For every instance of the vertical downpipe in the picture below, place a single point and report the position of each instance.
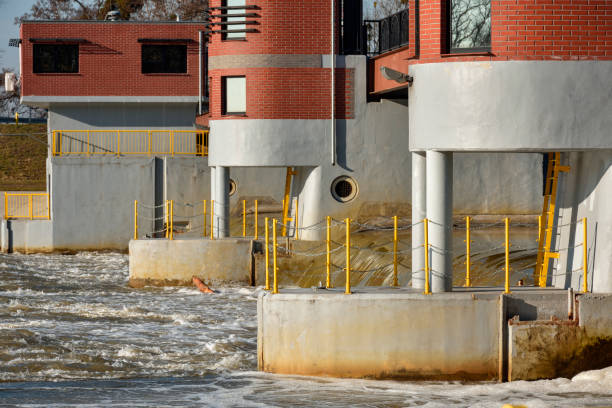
(333, 81)
(199, 72)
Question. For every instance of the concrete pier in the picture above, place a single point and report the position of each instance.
(439, 182)
(419, 212)
(463, 335)
(222, 206)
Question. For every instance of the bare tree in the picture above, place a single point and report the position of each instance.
(384, 8)
(470, 23)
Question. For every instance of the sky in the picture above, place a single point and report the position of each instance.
(9, 9)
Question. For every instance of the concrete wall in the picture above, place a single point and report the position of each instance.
(373, 149)
(164, 262)
(26, 236)
(584, 192)
(379, 335)
(511, 106)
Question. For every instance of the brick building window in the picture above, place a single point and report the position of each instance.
(235, 23)
(56, 58)
(164, 59)
(469, 25)
(234, 95)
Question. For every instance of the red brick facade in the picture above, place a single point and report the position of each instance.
(290, 28)
(557, 30)
(109, 60)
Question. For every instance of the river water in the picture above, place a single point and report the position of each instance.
(72, 333)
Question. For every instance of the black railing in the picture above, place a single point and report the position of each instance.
(387, 34)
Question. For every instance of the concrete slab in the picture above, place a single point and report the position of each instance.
(164, 262)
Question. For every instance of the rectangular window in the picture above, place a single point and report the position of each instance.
(164, 59)
(469, 25)
(234, 95)
(56, 58)
(234, 23)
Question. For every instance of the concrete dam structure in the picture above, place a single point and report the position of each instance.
(398, 126)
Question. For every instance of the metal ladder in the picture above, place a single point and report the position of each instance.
(547, 220)
(286, 200)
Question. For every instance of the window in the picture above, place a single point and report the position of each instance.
(164, 59)
(470, 25)
(56, 58)
(234, 23)
(234, 95)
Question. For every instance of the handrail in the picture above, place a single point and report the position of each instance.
(27, 205)
(123, 142)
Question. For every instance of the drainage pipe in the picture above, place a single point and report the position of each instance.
(199, 72)
(333, 81)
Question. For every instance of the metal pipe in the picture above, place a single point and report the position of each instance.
(267, 255)
(328, 254)
(274, 248)
(468, 246)
(333, 81)
(347, 291)
(426, 246)
(167, 219)
(585, 285)
(212, 219)
(256, 221)
(199, 72)
(507, 244)
(244, 218)
(204, 214)
(297, 220)
(171, 220)
(395, 283)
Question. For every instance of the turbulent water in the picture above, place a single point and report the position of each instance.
(73, 334)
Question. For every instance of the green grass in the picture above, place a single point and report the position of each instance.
(22, 159)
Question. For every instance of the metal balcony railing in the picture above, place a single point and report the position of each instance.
(387, 34)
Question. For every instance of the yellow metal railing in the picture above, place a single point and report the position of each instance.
(129, 142)
(26, 205)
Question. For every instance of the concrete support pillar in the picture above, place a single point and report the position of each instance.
(439, 186)
(222, 202)
(419, 212)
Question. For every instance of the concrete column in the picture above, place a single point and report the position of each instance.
(222, 202)
(419, 212)
(439, 186)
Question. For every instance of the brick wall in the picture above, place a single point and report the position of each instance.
(288, 93)
(284, 27)
(561, 30)
(110, 62)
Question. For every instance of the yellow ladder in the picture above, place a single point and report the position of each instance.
(286, 203)
(545, 232)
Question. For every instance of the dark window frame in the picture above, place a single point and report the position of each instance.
(165, 65)
(40, 67)
(224, 111)
(224, 36)
(449, 33)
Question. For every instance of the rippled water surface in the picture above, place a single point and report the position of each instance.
(73, 333)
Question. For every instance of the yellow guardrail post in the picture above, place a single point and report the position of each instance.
(328, 254)
(297, 219)
(212, 219)
(468, 246)
(395, 283)
(53, 142)
(204, 219)
(150, 139)
(167, 219)
(426, 245)
(60, 142)
(135, 219)
(30, 206)
(118, 144)
(171, 219)
(267, 254)
(585, 285)
(244, 218)
(347, 290)
(17, 118)
(256, 221)
(88, 143)
(507, 244)
(172, 142)
(274, 248)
